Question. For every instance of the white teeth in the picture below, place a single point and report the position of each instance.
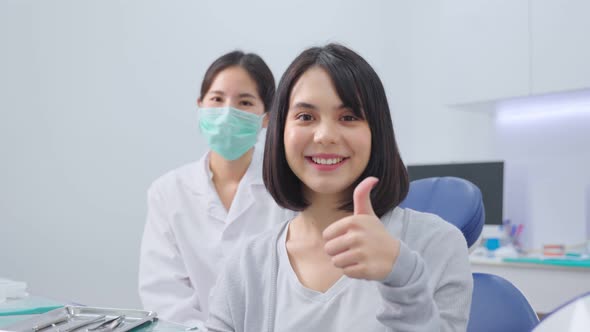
(323, 161)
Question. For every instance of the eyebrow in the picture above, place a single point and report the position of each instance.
(241, 95)
(309, 106)
(246, 95)
(304, 105)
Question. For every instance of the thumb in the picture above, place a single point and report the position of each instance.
(362, 196)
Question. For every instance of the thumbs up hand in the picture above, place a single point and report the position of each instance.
(359, 244)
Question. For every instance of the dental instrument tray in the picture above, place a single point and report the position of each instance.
(84, 319)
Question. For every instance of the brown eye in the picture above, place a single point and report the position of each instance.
(349, 118)
(304, 117)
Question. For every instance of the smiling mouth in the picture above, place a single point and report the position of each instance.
(326, 161)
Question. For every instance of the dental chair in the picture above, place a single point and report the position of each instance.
(496, 304)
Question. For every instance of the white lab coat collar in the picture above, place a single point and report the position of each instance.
(202, 173)
(199, 181)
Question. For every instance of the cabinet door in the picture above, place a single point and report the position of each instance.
(560, 45)
(485, 50)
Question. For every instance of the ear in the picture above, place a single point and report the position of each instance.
(199, 102)
(265, 120)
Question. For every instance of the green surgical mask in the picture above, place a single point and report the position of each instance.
(229, 131)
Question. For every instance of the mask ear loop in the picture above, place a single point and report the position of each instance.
(264, 116)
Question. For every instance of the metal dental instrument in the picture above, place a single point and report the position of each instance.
(116, 323)
(108, 324)
(82, 324)
(50, 323)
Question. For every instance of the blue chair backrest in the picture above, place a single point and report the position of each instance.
(456, 200)
(499, 306)
(496, 304)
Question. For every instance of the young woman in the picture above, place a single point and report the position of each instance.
(198, 213)
(351, 260)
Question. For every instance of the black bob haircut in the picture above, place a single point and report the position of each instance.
(252, 64)
(359, 88)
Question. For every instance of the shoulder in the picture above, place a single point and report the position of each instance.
(179, 178)
(252, 265)
(420, 229)
(440, 245)
(259, 250)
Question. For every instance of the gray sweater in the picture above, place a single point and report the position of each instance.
(428, 289)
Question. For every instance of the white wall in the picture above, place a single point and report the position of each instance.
(438, 133)
(97, 100)
(545, 141)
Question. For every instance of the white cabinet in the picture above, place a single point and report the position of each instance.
(485, 50)
(560, 45)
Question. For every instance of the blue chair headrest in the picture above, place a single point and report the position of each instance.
(456, 200)
(499, 306)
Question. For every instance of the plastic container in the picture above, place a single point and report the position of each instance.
(492, 243)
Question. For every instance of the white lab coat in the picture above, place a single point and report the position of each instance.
(189, 232)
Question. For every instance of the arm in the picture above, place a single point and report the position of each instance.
(228, 311)
(412, 303)
(164, 284)
(241, 298)
(425, 290)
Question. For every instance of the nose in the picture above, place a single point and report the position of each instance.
(326, 133)
(229, 102)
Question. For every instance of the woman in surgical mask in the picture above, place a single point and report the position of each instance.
(200, 212)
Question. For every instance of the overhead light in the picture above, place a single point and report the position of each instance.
(573, 105)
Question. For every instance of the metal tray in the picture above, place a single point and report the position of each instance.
(72, 316)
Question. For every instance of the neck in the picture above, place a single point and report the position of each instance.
(319, 215)
(229, 170)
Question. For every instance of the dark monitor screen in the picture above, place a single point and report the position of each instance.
(488, 176)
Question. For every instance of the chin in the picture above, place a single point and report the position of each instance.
(333, 187)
